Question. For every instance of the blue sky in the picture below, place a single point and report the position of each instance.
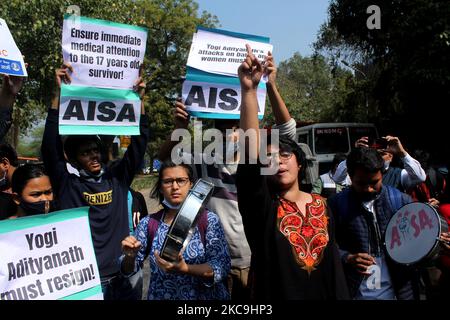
(291, 25)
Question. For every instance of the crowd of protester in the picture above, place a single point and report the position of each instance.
(260, 236)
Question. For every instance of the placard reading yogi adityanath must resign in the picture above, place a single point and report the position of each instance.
(106, 58)
(43, 259)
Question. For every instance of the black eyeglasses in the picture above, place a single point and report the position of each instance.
(181, 182)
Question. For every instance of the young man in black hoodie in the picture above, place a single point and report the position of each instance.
(103, 189)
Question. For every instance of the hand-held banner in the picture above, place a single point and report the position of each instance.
(222, 52)
(11, 60)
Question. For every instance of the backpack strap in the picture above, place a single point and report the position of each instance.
(153, 224)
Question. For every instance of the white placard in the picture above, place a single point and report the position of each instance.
(11, 60)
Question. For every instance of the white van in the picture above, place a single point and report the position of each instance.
(327, 139)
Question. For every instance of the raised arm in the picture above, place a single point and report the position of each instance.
(52, 148)
(283, 120)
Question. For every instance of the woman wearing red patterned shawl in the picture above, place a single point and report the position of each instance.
(291, 234)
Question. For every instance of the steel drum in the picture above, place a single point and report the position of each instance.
(184, 223)
(412, 234)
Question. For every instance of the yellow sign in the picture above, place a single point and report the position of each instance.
(98, 198)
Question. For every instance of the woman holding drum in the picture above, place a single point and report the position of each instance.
(201, 270)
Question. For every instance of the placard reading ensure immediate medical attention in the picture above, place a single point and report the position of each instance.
(11, 60)
(42, 258)
(106, 57)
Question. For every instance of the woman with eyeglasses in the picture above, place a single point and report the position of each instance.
(32, 191)
(201, 270)
(290, 232)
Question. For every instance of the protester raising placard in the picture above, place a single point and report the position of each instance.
(11, 60)
(212, 88)
(43, 259)
(106, 58)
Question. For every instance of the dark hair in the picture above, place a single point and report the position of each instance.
(338, 158)
(156, 193)
(367, 159)
(23, 174)
(73, 143)
(8, 152)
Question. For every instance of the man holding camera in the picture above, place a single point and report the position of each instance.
(389, 147)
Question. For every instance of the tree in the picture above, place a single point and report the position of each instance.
(409, 57)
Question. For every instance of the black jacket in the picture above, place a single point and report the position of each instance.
(108, 214)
